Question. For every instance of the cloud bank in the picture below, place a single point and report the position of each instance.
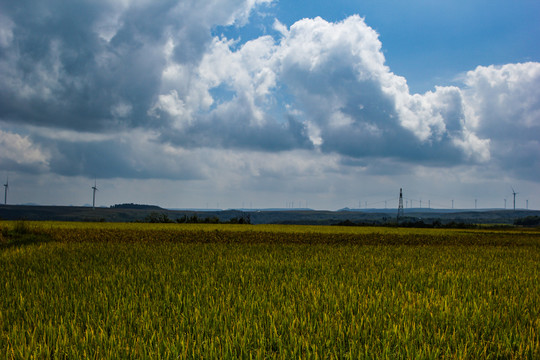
(143, 89)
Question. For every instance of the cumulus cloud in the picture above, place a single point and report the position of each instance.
(504, 106)
(358, 107)
(20, 153)
(505, 100)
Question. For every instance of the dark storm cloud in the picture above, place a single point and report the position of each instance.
(230, 128)
(59, 72)
(70, 64)
(119, 159)
(17, 166)
(273, 137)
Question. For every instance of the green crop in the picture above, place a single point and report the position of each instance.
(71, 290)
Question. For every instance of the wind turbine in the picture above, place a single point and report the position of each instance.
(6, 186)
(514, 193)
(94, 188)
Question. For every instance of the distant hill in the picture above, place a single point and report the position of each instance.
(137, 212)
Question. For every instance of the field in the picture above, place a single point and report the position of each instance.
(79, 290)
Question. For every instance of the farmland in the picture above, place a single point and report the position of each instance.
(79, 290)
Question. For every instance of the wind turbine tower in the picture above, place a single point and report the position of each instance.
(6, 186)
(94, 188)
(514, 193)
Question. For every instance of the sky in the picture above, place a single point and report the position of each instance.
(271, 103)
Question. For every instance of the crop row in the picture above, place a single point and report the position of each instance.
(279, 234)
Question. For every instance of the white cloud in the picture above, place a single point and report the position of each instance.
(248, 72)
(337, 73)
(314, 133)
(504, 107)
(6, 31)
(20, 151)
(281, 28)
(474, 147)
(505, 99)
(121, 110)
(171, 105)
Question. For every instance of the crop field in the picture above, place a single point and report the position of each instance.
(170, 291)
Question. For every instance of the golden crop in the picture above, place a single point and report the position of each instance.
(238, 291)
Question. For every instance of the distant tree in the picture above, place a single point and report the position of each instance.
(240, 220)
(182, 220)
(211, 220)
(155, 217)
(528, 221)
(135, 206)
